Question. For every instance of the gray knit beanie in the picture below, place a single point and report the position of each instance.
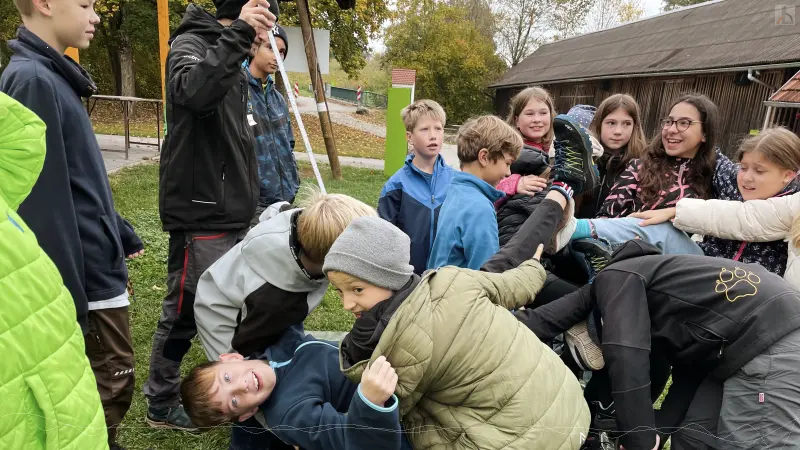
(373, 250)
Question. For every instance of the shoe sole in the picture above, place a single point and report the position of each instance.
(562, 125)
(579, 341)
(168, 426)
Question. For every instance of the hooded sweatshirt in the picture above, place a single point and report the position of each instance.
(250, 296)
(513, 213)
(707, 315)
(70, 209)
(209, 176)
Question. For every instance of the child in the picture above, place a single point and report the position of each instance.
(468, 376)
(43, 350)
(70, 208)
(681, 163)
(730, 331)
(272, 279)
(208, 182)
(271, 126)
(298, 393)
(618, 125)
(413, 197)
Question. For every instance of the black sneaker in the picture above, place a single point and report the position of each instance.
(174, 418)
(593, 254)
(573, 165)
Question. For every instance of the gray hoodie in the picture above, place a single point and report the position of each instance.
(257, 290)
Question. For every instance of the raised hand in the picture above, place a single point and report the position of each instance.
(378, 381)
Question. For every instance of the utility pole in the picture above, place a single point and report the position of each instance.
(319, 89)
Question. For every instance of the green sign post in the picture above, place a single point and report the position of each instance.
(396, 145)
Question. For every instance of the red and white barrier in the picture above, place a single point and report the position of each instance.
(296, 90)
(358, 95)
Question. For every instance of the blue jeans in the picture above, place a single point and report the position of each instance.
(670, 240)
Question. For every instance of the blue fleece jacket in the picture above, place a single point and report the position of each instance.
(70, 209)
(268, 116)
(412, 203)
(315, 407)
(466, 235)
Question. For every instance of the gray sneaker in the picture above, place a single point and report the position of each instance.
(174, 418)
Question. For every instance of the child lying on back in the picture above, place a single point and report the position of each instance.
(469, 375)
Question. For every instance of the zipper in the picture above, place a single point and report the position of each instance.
(222, 202)
(275, 147)
(433, 202)
(713, 333)
(741, 250)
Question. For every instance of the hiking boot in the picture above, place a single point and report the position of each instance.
(573, 162)
(593, 254)
(604, 418)
(584, 349)
(174, 418)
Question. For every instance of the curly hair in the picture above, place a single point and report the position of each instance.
(655, 173)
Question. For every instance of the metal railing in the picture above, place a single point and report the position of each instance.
(368, 99)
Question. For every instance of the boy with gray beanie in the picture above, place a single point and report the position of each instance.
(470, 375)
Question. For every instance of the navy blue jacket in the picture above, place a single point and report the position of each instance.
(314, 406)
(268, 117)
(70, 208)
(412, 204)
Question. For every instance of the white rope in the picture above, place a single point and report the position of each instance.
(297, 115)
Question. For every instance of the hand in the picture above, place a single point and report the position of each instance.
(378, 381)
(655, 216)
(539, 251)
(136, 255)
(531, 184)
(256, 14)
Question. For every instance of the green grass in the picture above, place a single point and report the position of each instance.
(136, 196)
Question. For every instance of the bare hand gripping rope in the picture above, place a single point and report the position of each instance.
(297, 115)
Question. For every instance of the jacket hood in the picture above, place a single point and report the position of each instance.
(467, 179)
(268, 250)
(531, 161)
(198, 21)
(439, 164)
(31, 46)
(633, 249)
(284, 349)
(22, 150)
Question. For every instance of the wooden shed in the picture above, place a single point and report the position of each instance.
(738, 52)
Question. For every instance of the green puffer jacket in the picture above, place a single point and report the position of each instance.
(47, 390)
(470, 375)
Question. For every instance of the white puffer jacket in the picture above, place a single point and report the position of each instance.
(754, 221)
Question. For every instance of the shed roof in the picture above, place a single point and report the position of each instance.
(724, 34)
(789, 92)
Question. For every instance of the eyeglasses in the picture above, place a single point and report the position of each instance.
(680, 124)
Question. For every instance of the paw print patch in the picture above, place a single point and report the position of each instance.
(737, 284)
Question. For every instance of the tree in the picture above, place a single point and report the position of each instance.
(610, 13)
(669, 5)
(453, 60)
(520, 30)
(569, 17)
(481, 14)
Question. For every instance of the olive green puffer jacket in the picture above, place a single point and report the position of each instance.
(47, 390)
(470, 375)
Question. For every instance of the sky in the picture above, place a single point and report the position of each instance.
(651, 8)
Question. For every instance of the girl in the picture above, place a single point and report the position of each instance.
(679, 163)
(617, 123)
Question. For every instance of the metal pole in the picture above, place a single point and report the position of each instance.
(298, 116)
(319, 90)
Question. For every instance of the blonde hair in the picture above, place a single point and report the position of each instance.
(420, 109)
(778, 145)
(636, 145)
(324, 218)
(197, 399)
(489, 132)
(521, 100)
(25, 7)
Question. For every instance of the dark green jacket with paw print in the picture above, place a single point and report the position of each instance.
(709, 314)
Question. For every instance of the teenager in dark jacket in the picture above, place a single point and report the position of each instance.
(70, 209)
(731, 332)
(271, 125)
(208, 184)
(513, 213)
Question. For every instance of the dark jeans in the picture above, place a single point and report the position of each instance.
(190, 254)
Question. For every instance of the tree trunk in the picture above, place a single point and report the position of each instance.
(113, 57)
(127, 70)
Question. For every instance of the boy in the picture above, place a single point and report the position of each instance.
(208, 182)
(413, 197)
(277, 169)
(70, 208)
(43, 365)
(730, 331)
(272, 279)
(298, 393)
(468, 375)
(467, 233)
